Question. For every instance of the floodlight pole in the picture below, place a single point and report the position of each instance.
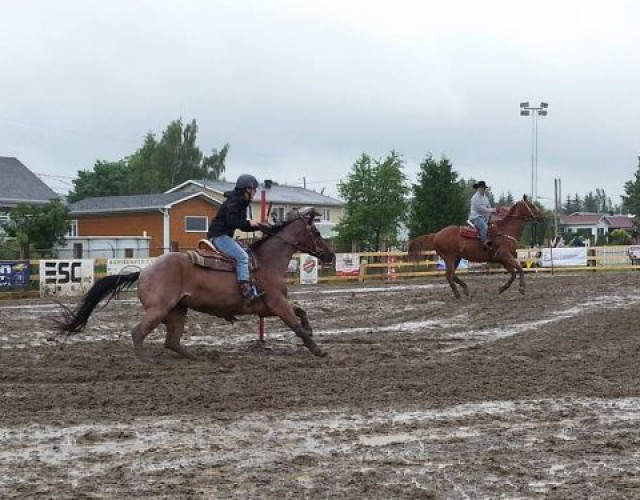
(534, 112)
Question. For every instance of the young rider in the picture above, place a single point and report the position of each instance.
(232, 215)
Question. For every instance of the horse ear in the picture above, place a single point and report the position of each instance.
(309, 214)
(524, 197)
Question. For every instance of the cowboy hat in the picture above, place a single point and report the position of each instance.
(480, 184)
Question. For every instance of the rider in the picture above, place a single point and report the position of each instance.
(232, 215)
(480, 212)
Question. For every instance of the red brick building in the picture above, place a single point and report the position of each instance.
(173, 221)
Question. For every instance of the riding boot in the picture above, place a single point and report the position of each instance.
(249, 292)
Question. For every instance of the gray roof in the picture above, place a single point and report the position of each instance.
(290, 195)
(133, 203)
(18, 184)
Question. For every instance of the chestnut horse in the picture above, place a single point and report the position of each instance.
(171, 285)
(452, 245)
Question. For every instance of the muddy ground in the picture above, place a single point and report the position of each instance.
(422, 396)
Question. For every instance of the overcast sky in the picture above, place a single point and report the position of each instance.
(301, 89)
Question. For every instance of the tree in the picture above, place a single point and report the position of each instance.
(590, 203)
(506, 200)
(38, 227)
(156, 166)
(631, 198)
(439, 198)
(106, 179)
(375, 201)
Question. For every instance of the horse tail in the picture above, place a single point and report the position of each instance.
(420, 244)
(74, 321)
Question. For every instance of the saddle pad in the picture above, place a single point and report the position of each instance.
(209, 256)
(469, 232)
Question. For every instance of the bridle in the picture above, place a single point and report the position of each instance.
(314, 250)
(531, 215)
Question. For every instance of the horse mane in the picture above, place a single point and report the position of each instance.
(266, 235)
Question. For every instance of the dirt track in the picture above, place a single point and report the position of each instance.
(422, 396)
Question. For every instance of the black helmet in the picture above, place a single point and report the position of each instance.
(246, 181)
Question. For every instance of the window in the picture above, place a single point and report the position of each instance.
(73, 229)
(277, 214)
(128, 253)
(193, 224)
(326, 214)
(77, 250)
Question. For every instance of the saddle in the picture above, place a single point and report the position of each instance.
(207, 255)
(469, 231)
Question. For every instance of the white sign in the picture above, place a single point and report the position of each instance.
(126, 266)
(65, 277)
(308, 269)
(564, 257)
(463, 264)
(347, 264)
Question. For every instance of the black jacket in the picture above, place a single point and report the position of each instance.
(232, 215)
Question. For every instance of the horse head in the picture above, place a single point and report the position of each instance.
(299, 231)
(526, 210)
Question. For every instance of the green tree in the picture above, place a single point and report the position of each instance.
(375, 201)
(106, 179)
(439, 198)
(156, 166)
(590, 203)
(38, 227)
(506, 200)
(631, 198)
(620, 237)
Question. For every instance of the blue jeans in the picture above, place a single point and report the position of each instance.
(230, 247)
(482, 227)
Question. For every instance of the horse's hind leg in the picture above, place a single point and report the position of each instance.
(175, 322)
(452, 278)
(464, 286)
(152, 318)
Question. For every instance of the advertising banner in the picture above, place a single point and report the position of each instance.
(347, 264)
(441, 265)
(14, 274)
(308, 269)
(65, 277)
(126, 266)
(564, 257)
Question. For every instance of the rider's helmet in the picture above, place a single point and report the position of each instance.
(246, 181)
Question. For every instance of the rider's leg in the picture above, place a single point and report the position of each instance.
(230, 247)
(483, 229)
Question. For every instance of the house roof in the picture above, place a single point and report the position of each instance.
(591, 219)
(134, 203)
(290, 195)
(21, 185)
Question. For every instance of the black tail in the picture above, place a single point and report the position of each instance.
(74, 321)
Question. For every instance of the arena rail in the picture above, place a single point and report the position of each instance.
(396, 265)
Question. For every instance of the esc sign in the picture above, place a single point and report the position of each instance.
(65, 277)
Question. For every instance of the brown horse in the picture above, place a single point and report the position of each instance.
(172, 284)
(452, 244)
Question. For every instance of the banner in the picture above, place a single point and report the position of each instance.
(463, 264)
(347, 264)
(65, 277)
(308, 269)
(564, 257)
(14, 274)
(126, 266)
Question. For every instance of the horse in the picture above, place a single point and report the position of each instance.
(173, 283)
(456, 242)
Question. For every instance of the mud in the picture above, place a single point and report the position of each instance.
(421, 396)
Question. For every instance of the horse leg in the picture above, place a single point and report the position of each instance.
(175, 322)
(464, 286)
(280, 306)
(304, 319)
(511, 269)
(152, 318)
(451, 277)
